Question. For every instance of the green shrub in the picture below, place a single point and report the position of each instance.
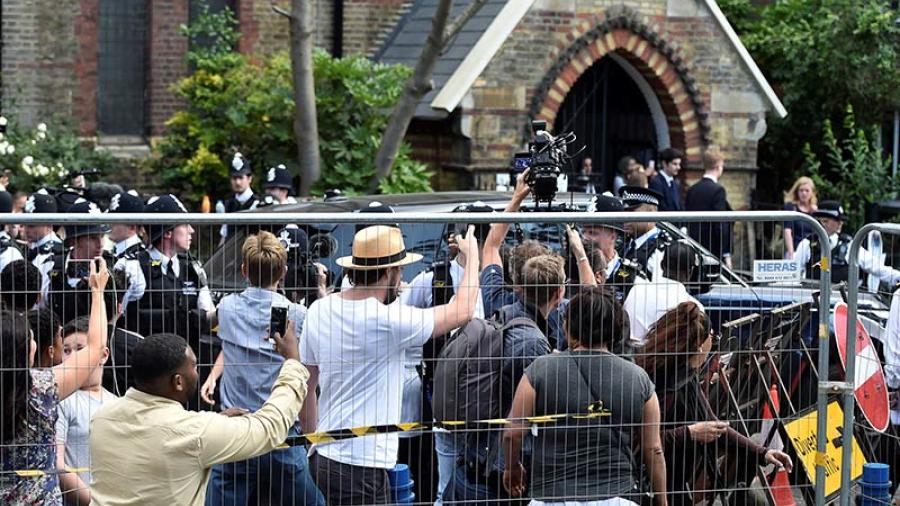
(853, 171)
(245, 104)
(44, 155)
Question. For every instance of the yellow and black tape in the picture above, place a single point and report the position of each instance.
(594, 410)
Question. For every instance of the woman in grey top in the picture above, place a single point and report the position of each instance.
(586, 461)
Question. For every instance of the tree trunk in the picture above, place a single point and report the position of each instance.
(306, 128)
(417, 87)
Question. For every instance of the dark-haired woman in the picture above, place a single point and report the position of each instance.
(586, 461)
(677, 347)
(30, 398)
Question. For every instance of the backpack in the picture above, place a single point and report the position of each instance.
(468, 374)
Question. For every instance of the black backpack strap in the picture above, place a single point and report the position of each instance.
(441, 283)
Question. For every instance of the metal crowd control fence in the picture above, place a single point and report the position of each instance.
(850, 386)
(786, 321)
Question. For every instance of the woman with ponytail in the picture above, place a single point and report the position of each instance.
(677, 347)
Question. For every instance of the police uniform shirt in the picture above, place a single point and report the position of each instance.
(891, 343)
(242, 198)
(122, 247)
(654, 261)
(612, 267)
(204, 298)
(43, 260)
(10, 252)
(137, 284)
(867, 261)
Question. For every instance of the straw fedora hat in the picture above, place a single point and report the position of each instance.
(378, 247)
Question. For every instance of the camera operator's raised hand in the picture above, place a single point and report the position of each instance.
(497, 234)
(586, 275)
(520, 192)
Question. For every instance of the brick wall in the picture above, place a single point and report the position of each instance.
(365, 23)
(166, 63)
(39, 53)
(269, 31)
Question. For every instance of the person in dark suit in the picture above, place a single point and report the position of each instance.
(666, 183)
(708, 195)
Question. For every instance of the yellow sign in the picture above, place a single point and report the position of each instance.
(802, 433)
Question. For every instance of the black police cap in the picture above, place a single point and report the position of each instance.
(294, 239)
(278, 177)
(82, 206)
(162, 205)
(633, 196)
(40, 202)
(830, 209)
(605, 204)
(375, 207)
(126, 202)
(240, 166)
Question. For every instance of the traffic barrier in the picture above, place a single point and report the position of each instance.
(750, 371)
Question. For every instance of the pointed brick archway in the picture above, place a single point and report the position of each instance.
(623, 33)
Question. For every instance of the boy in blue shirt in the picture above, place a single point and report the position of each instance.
(248, 366)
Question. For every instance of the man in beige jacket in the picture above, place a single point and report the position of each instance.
(147, 449)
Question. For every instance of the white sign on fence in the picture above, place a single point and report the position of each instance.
(775, 270)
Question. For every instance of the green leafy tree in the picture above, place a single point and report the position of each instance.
(244, 104)
(852, 170)
(820, 55)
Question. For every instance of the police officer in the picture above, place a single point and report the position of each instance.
(278, 186)
(648, 241)
(43, 243)
(9, 251)
(125, 235)
(69, 292)
(621, 273)
(176, 298)
(809, 252)
(243, 198)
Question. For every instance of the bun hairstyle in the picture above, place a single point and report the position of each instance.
(674, 338)
(265, 259)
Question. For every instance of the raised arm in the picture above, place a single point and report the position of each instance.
(230, 439)
(461, 308)
(72, 373)
(498, 231)
(586, 275)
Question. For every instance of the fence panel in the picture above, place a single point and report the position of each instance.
(759, 371)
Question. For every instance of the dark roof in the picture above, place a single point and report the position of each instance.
(406, 42)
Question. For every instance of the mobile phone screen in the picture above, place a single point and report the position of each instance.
(278, 321)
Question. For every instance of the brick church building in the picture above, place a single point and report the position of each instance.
(627, 76)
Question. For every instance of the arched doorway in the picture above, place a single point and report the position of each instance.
(614, 113)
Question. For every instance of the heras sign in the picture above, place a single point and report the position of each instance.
(775, 270)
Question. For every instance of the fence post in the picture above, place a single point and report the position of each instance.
(849, 401)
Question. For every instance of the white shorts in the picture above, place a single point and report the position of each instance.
(615, 501)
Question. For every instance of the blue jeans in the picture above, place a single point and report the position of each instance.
(446, 456)
(280, 475)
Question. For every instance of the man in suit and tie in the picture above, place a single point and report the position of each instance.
(665, 182)
(708, 195)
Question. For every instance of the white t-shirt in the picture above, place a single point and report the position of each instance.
(647, 302)
(360, 348)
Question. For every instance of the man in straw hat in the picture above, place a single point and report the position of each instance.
(355, 345)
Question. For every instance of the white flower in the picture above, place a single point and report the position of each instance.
(42, 127)
(59, 164)
(1, 136)
(28, 160)
(10, 149)
(3, 121)
(26, 169)
(3, 145)
(41, 135)
(61, 173)
(33, 141)
(42, 170)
